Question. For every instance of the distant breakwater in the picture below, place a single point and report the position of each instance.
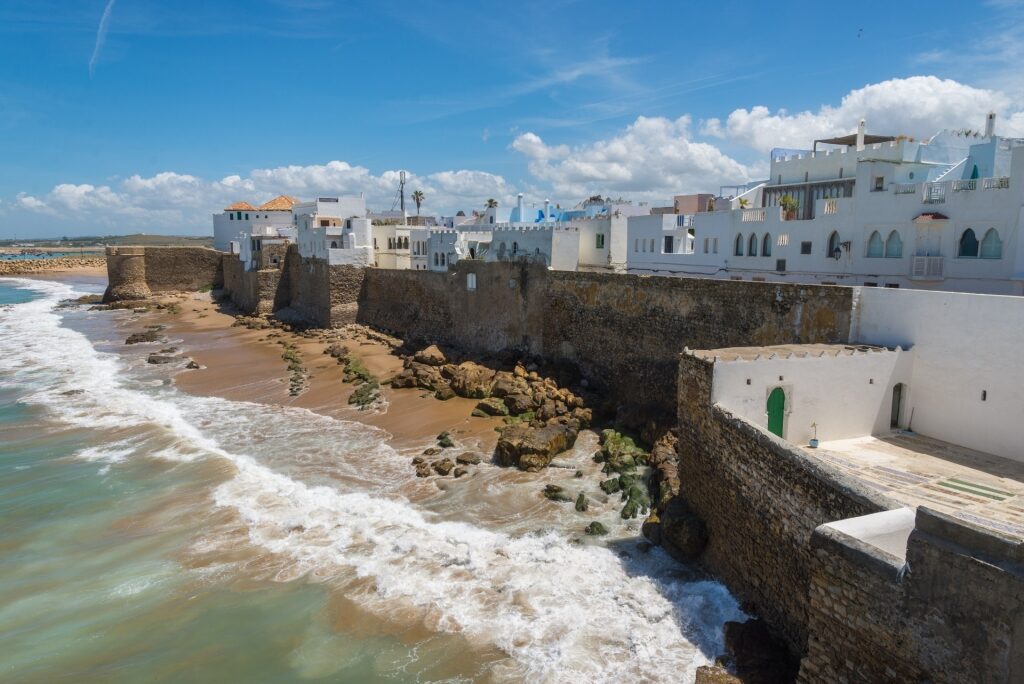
(10, 267)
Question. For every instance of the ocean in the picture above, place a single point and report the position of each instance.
(151, 535)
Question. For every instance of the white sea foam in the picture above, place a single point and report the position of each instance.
(562, 611)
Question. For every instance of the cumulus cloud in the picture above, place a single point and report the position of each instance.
(653, 158)
(177, 201)
(918, 106)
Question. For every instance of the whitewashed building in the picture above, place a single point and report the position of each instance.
(335, 229)
(942, 214)
(240, 220)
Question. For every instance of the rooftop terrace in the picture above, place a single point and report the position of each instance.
(916, 470)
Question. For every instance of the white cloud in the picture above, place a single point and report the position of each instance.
(175, 201)
(101, 36)
(653, 158)
(918, 106)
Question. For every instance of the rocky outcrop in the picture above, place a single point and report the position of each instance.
(681, 532)
(531, 448)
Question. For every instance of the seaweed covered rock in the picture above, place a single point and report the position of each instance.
(683, 534)
(555, 493)
(532, 448)
(596, 529)
(492, 407)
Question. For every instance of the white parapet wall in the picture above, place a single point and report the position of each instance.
(845, 393)
(967, 385)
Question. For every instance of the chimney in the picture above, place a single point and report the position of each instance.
(519, 205)
(861, 129)
(547, 210)
(990, 125)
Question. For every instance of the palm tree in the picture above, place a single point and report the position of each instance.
(491, 203)
(418, 198)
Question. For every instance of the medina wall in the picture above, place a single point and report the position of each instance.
(760, 499)
(138, 272)
(628, 330)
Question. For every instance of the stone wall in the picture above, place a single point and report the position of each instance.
(760, 499)
(254, 292)
(503, 311)
(138, 272)
(624, 331)
(630, 329)
(954, 612)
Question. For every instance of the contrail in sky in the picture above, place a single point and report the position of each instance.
(101, 36)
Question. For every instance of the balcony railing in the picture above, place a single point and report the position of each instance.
(831, 207)
(927, 268)
(904, 188)
(753, 215)
(965, 185)
(934, 193)
(996, 183)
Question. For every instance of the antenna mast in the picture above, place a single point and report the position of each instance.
(401, 190)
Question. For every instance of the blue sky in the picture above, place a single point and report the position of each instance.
(159, 114)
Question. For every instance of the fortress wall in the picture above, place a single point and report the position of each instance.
(137, 272)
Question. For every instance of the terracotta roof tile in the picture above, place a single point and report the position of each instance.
(240, 206)
(280, 203)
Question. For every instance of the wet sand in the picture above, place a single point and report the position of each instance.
(246, 365)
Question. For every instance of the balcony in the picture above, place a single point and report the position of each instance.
(996, 183)
(753, 215)
(965, 185)
(927, 268)
(904, 188)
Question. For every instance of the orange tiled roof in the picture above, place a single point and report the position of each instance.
(280, 203)
(240, 206)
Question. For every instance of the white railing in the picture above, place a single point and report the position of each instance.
(753, 215)
(996, 183)
(927, 267)
(962, 185)
(831, 207)
(934, 193)
(904, 188)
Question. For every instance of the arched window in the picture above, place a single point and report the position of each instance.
(875, 246)
(405, 243)
(515, 247)
(894, 245)
(442, 258)
(766, 245)
(738, 247)
(833, 244)
(968, 244)
(334, 244)
(752, 245)
(435, 259)
(991, 245)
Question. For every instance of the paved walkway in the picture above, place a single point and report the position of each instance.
(977, 487)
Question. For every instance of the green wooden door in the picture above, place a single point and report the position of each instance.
(776, 410)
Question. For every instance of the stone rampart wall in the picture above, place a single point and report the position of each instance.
(630, 329)
(954, 612)
(760, 499)
(138, 272)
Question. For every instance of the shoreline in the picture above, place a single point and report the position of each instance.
(242, 364)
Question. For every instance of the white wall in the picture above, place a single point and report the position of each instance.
(964, 344)
(590, 254)
(846, 395)
(227, 226)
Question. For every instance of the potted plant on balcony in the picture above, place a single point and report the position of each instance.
(744, 202)
(789, 206)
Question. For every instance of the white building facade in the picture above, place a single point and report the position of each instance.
(941, 215)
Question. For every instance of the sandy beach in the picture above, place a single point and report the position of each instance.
(242, 364)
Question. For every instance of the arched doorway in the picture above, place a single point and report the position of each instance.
(898, 391)
(776, 411)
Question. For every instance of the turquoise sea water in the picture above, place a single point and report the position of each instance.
(149, 535)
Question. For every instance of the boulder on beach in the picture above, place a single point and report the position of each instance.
(470, 380)
(492, 407)
(161, 358)
(530, 448)
(468, 458)
(443, 467)
(431, 356)
(595, 529)
(682, 533)
(146, 336)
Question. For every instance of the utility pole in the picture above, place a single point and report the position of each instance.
(401, 190)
